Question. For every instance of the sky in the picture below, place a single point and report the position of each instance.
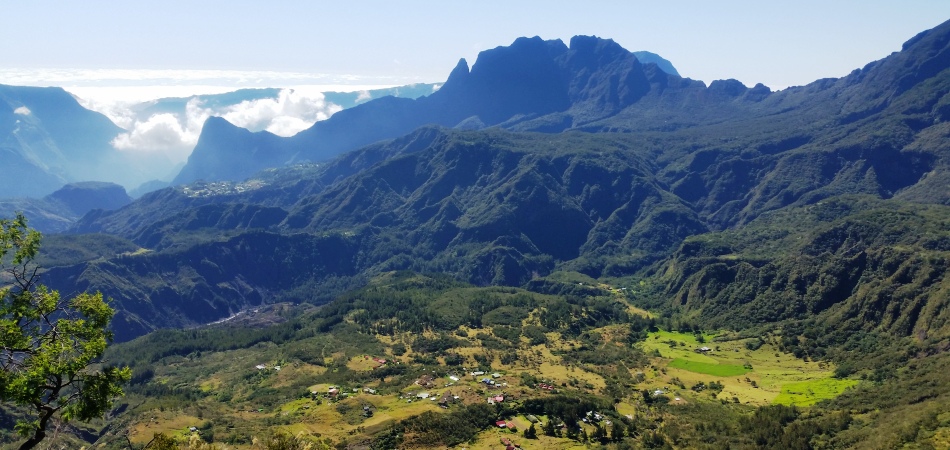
(778, 43)
(108, 52)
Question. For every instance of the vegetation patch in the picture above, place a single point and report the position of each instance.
(808, 393)
(717, 370)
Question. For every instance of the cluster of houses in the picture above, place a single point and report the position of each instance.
(490, 383)
(509, 445)
(506, 424)
(264, 367)
(595, 417)
(444, 401)
(545, 386)
(206, 189)
(336, 393)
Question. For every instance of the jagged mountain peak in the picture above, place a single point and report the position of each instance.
(544, 85)
(507, 85)
(460, 72)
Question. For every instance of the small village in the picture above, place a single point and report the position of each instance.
(200, 189)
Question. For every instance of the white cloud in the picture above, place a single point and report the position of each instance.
(162, 133)
(23, 111)
(288, 126)
(290, 113)
(117, 93)
(175, 135)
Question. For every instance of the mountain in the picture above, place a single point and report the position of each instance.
(661, 62)
(48, 139)
(60, 210)
(613, 197)
(506, 87)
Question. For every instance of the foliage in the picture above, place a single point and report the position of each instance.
(456, 427)
(51, 349)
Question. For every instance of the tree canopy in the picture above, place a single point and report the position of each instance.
(50, 349)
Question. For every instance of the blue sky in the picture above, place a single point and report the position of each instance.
(779, 43)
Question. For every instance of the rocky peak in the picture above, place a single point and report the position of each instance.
(459, 73)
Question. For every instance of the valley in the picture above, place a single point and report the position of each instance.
(348, 386)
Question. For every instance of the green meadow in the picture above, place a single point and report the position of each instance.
(718, 370)
(762, 376)
(808, 393)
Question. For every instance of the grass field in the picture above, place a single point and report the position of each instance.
(808, 393)
(763, 376)
(718, 370)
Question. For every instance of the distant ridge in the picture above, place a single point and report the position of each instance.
(652, 58)
(522, 86)
(58, 211)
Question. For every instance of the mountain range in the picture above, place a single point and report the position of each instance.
(639, 162)
(814, 220)
(511, 87)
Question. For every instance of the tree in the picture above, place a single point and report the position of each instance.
(531, 432)
(548, 427)
(50, 349)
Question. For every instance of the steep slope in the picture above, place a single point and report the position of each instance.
(519, 195)
(211, 280)
(854, 263)
(490, 207)
(51, 139)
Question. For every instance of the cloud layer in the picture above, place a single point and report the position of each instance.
(175, 134)
(123, 96)
(290, 113)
